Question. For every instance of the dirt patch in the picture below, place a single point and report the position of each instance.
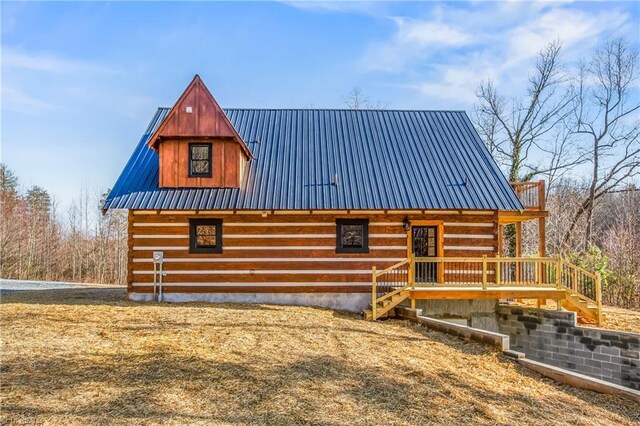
(89, 356)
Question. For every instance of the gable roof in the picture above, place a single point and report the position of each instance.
(383, 159)
(204, 119)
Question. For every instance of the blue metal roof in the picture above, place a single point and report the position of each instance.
(383, 159)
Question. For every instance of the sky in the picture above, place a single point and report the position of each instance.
(81, 80)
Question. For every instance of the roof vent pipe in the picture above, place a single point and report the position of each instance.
(335, 181)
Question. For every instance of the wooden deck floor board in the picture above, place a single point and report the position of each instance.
(442, 292)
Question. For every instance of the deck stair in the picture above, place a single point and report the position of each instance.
(389, 288)
(574, 288)
(586, 308)
(386, 304)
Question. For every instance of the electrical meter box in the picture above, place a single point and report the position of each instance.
(158, 257)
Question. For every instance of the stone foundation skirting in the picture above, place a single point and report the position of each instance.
(352, 302)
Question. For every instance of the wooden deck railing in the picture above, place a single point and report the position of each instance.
(531, 194)
(389, 282)
(487, 273)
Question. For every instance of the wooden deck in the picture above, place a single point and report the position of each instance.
(541, 278)
(443, 292)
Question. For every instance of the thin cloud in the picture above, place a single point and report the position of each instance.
(455, 48)
(46, 62)
(24, 70)
(15, 99)
(345, 6)
(414, 39)
(572, 27)
(427, 33)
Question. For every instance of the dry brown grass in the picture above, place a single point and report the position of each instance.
(88, 356)
(621, 319)
(614, 318)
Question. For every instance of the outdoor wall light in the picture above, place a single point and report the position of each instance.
(406, 224)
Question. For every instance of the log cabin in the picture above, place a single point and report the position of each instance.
(358, 210)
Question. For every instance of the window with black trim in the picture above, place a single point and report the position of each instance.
(199, 160)
(352, 235)
(205, 236)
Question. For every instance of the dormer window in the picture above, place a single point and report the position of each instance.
(199, 160)
(197, 145)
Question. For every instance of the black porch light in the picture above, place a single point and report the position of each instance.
(406, 224)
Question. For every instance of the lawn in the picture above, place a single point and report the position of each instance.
(89, 356)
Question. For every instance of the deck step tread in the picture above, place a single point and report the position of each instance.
(385, 306)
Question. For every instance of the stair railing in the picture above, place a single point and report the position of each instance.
(387, 283)
(587, 284)
(579, 280)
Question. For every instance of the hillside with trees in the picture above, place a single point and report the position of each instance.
(39, 242)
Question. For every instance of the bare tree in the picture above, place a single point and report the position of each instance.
(488, 128)
(356, 99)
(36, 244)
(606, 120)
(515, 127)
(621, 241)
(9, 208)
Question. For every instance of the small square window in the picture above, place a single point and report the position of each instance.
(199, 160)
(352, 236)
(205, 236)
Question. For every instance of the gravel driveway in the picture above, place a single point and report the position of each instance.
(22, 285)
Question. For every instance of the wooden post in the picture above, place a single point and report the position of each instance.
(518, 252)
(440, 265)
(412, 279)
(412, 273)
(542, 247)
(497, 271)
(542, 239)
(484, 272)
(599, 297)
(559, 282)
(374, 293)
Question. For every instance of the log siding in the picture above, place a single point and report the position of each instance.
(287, 252)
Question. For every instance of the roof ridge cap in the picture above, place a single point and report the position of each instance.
(339, 109)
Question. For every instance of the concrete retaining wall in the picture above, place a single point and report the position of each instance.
(498, 340)
(554, 338)
(479, 313)
(502, 342)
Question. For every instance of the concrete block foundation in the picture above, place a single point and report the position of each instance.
(478, 313)
(352, 302)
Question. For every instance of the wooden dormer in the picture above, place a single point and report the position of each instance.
(197, 145)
